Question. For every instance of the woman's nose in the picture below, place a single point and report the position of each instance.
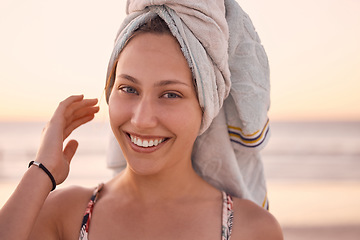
(143, 115)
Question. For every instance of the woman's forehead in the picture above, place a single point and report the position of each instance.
(157, 55)
(156, 42)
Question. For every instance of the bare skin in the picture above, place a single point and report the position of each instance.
(187, 218)
(159, 195)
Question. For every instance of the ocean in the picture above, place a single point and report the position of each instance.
(19, 142)
(313, 151)
(296, 150)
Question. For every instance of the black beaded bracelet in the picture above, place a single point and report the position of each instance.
(40, 165)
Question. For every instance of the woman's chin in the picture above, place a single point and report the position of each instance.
(144, 167)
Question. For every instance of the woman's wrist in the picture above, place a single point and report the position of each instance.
(39, 178)
(42, 167)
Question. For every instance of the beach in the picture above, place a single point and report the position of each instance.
(313, 182)
(316, 210)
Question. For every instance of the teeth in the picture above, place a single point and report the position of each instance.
(146, 143)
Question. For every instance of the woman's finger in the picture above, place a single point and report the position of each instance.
(63, 105)
(78, 105)
(82, 112)
(69, 100)
(59, 116)
(79, 118)
(72, 109)
(70, 150)
(77, 123)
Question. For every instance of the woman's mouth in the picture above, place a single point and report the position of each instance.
(146, 143)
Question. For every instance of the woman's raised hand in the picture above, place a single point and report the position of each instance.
(70, 114)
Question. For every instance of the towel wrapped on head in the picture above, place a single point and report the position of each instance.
(192, 24)
(231, 73)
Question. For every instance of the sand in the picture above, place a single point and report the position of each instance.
(319, 203)
(338, 232)
(316, 209)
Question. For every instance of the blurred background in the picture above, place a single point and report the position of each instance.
(49, 50)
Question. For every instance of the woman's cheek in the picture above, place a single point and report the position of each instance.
(116, 110)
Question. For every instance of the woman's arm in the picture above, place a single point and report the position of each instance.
(19, 213)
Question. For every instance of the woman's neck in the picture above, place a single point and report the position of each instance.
(175, 184)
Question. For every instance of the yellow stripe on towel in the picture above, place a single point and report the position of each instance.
(242, 133)
(265, 201)
(250, 140)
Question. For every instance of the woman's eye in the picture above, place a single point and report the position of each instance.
(128, 89)
(171, 95)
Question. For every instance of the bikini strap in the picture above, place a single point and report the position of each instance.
(227, 216)
(84, 231)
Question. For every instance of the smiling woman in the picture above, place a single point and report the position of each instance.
(154, 100)
(163, 95)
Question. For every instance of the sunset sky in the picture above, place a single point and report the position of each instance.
(52, 49)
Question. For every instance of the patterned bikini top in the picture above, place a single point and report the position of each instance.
(227, 215)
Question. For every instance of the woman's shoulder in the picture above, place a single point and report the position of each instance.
(70, 197)
(70, 201)
(253, 222)
(63, 210)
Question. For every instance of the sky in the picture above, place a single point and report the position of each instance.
(52, 49)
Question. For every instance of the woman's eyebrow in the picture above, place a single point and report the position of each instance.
(128, 77)
(170, 82)
(157, 84)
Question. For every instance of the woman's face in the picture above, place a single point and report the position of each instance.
(153, 107)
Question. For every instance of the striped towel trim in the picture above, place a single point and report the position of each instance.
(265, 203)
(248, 140)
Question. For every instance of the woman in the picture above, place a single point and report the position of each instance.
(156, 117)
